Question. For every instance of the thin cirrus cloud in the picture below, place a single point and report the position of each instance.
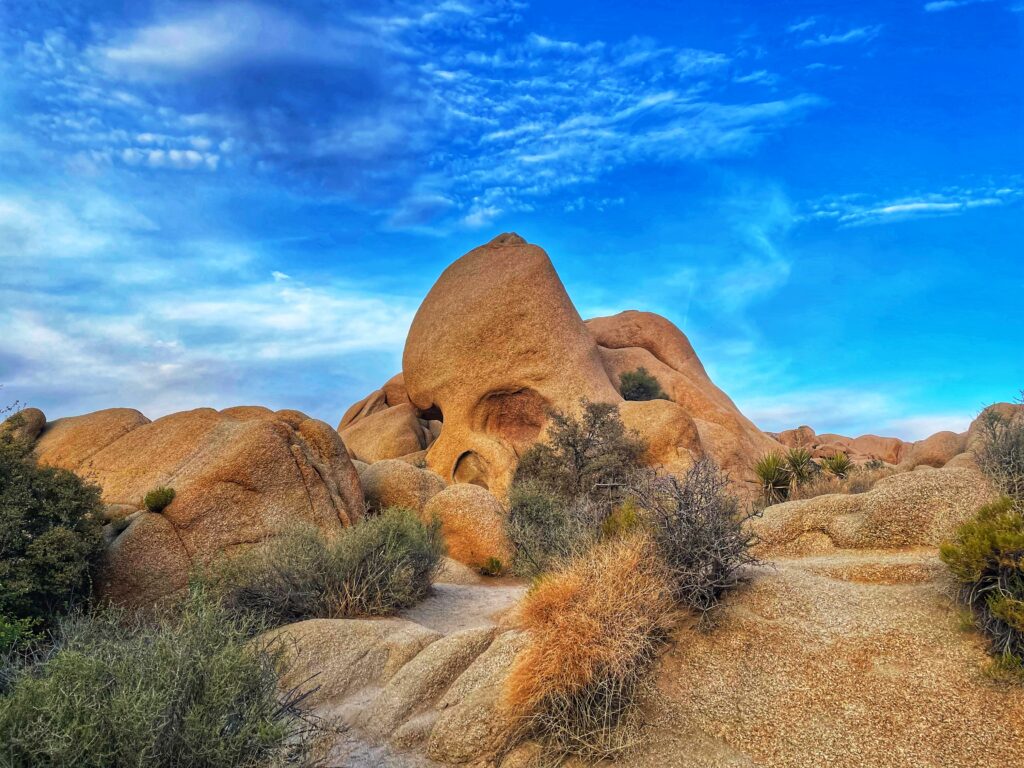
(855, 35)
(858, 210)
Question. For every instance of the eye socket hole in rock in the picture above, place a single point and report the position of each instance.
(517, 416)
(433, 413)
(470, 468)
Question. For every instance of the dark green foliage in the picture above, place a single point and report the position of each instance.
(838, 464)
(50, 536)
(492, 567)
(1000, 451)
(158, 499)
(641, 385)
(701, 534)
(378, 566)
(191, 688)
(987, 557)
(801, 466)
(774, 474)
(592, 456)
(544, 529)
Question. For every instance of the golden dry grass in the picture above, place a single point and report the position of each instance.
(595, 626)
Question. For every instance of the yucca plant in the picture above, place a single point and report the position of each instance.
(838, 464)
(773, 471)
(800, 465)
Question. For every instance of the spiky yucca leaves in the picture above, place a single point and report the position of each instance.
(773, 471)
(838, 464)
(987, 557)
(800, 465)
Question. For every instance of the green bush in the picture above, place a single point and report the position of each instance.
(190, 688)
(592, 455)
(987, 557)
(641, 385)
(773, 472)
(838, 464)
(544, 529)
(50, 536)
(700, 532)
(801, 466)
(378, 566)
(158, 499)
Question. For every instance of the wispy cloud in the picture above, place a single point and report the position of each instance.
(855, 35)
(858, 210)
(946, 5)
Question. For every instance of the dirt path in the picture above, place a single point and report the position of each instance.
(849, 659)
(453, 607)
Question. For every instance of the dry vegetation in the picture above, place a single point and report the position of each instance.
(595, 627)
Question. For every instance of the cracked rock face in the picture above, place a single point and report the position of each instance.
(239, 476)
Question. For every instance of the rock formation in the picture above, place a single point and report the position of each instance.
(239, 476)
(497, 343)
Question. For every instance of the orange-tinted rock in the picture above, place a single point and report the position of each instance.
(386, 434)
(26, 424)
(239, 476)
(495, 344)
(933, 451)
(397, 483)
(801, 437)
(472, 521)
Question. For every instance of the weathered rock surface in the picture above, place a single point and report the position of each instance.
(901, 510)
(472, 521)
(26, 424)
(386, 434)
(239, 475)
(397, 483)
(933, 451)
(501, 313)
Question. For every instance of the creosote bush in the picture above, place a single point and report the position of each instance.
(564, 490)
(158, 499)
(185, 688)
(595, 626)
(987, 554)
(700, 533)
(50, 538)
(640, 385)
(374, 568)
(987, 557)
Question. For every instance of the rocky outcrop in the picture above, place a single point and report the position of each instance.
(934, 451)
(25, 424)
(472, 522)
(860, 449)
(239, 476)
(497, 343)
(902, 510)
(395, 483)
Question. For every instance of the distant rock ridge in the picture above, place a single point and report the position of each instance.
(497, 343)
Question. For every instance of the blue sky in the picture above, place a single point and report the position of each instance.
(244, 202)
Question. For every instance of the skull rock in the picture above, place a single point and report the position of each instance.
(496, 344)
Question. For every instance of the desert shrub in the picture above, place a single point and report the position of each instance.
(492, 567)
(595, 625)
(1000, 451)
(544, 528)
(700, 533)
(190, 688)
(857, 480)
(837, 464)
(158, 499)
(50, 536)
(624, 519)
(874, 465)
(641, 385)
(987, 557)
(801, 466)
(773, 473)
(591, 455)
(376, 567)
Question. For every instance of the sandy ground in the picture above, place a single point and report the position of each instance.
(848, 659)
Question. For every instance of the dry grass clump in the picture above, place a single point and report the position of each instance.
(858, 480)
(595, 626)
